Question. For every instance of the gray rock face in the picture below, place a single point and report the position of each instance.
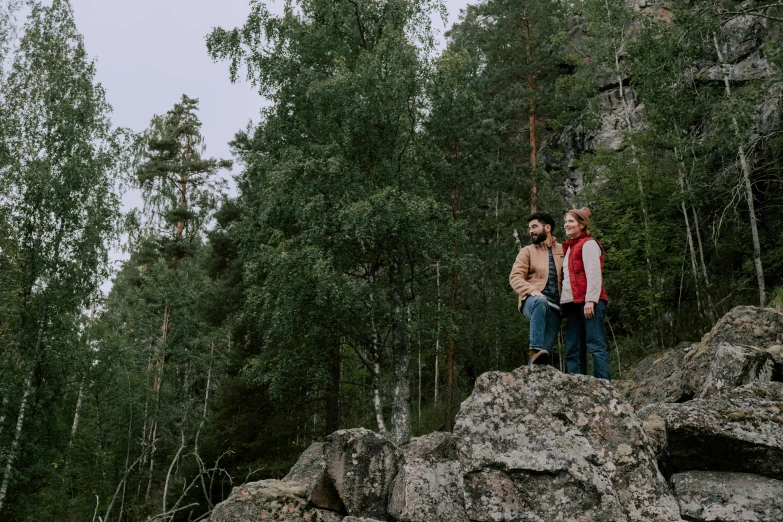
(322, 515)
(653, 419)
(361, 465)
(429, 487)
(279, 500)
(728, 497)
(754, 67)
(310, 464)
(764, 391)
(738, 431)
(734, 366)
(537, 444)
(659, 378)
(743, 326)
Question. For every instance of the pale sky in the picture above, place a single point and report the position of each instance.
(150, 52)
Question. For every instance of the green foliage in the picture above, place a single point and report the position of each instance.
(180, 187)
(371, 232)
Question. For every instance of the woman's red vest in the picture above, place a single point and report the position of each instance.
(576, 269)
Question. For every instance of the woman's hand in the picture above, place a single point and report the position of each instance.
(589, 310)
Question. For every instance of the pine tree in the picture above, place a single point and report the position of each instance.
(180, 186)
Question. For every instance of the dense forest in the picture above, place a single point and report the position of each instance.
(358, 275)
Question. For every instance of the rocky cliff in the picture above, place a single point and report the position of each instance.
(706, 444)
(621, 106)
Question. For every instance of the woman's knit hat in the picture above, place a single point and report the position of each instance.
(583, 214)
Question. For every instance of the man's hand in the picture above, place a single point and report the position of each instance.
(536, 294)
(589, 310)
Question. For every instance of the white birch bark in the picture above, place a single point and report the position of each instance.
(401, 411)
(691, 247)
(376, 378)
(9, 469)
(701, 248)
(171, 468)
(747, 186)
(3, 412)
(201, 425)
(437, 335)
(76, 414)
(419, 397)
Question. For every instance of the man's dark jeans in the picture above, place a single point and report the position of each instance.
(585, 336)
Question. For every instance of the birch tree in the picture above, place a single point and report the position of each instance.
(59, 194)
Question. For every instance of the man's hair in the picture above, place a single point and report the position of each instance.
(544, 218)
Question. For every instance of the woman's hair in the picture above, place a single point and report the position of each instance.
(577, 215)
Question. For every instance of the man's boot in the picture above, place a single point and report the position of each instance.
(538, 357)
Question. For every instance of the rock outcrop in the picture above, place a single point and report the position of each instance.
(659, 378)
(541, 445)
(429, 486)
(279, 500)
(534, 444)
(739, 431)
(728, 497)
(743, 347)
(745, 41)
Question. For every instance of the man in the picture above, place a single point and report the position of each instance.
(537, 276)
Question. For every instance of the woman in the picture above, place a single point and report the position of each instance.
(583, 298)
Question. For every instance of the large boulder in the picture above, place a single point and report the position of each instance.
(728, 497)
(759, 329)
(429, 486)
(740, 430)
(538, 444)
(310, 464)
(310, 469)
(653, 419)
(360, 467)
(659, 378)
(733, 366)
(279, 500)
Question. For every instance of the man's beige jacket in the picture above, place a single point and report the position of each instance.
(531, 270)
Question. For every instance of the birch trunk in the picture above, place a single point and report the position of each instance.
(28, 388)
(691, 247)
(332, 393)
(376, 398)
(629, 126)
(2, 414)
(171, 468)
(376, 377)
(455, 210)
(437, 335)
(746, 185)
(401, 391)
(159, 363)
(419, 395)
(701, 248)
(9, 469)
(76, 414)
(201, 425)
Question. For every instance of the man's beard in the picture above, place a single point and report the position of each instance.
(538, 238)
